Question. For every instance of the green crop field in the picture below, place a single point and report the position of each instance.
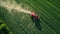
(21, 23)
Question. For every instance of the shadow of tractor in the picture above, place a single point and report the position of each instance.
(37, 23)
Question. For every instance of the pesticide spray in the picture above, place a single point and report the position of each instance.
(11, 4)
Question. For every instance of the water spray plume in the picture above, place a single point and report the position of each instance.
(11, 4)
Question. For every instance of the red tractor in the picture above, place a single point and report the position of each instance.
(36, 20)
(34, 16)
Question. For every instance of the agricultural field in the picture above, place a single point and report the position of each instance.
(18, 20)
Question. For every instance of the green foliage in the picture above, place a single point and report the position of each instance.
(4, 29)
